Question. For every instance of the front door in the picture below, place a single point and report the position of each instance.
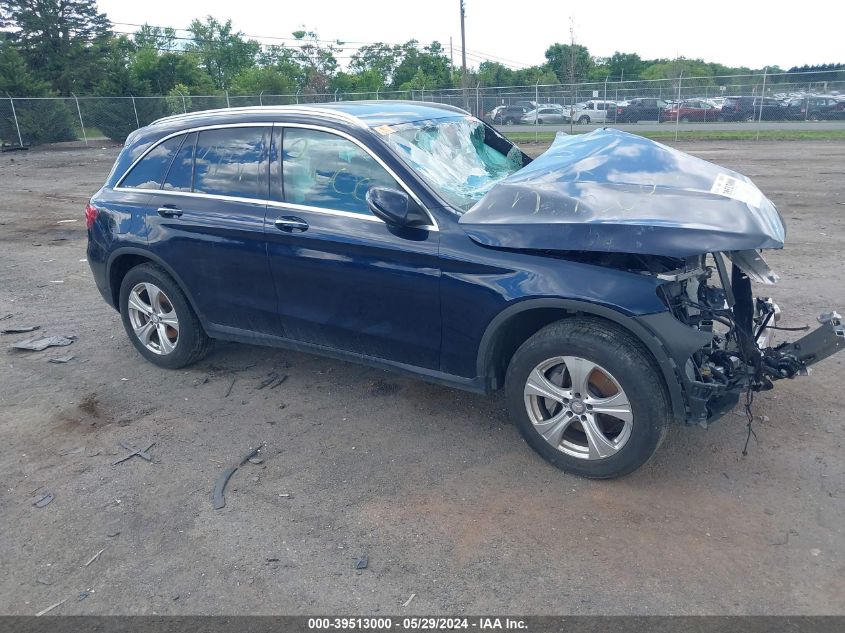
(345, 280)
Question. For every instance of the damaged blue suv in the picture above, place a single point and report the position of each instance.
(605, 285)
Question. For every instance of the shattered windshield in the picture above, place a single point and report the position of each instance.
(458, 156)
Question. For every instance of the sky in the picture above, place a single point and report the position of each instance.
(753, 34)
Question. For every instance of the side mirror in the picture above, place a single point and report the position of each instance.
(395, 207)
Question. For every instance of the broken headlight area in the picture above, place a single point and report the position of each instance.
(712, 294)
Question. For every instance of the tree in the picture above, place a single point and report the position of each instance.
(559, 61)
(625, 65)
(377, 58)
(222, 52)
(316, 60)
(61, 41)
(40, 121)
(428, 68)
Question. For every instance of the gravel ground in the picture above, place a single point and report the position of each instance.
(433, 485)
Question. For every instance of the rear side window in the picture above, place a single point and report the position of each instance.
(228, 163)
(182, 168)
(149, 172)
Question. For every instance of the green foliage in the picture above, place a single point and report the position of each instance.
(221, 51)
(40, 121)
(570, 64)
(61, 41)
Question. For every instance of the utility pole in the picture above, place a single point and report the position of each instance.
(572, 71)
(451, 54)
(464, 60)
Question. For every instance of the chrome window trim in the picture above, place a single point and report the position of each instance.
(282, 109)
(282, 124)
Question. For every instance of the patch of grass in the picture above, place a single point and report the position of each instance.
(703, 135)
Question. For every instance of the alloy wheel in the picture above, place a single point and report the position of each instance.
(153, 318)
(578, 407)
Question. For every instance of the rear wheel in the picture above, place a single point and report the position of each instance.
(159, 320)
(587, 397)
(584, 119)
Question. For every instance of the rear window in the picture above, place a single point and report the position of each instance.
(228, 163)
(149, 172)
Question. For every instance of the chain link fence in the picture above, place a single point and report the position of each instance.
(773, 97)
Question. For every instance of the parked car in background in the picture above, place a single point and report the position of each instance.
(639, 109)
(593, 111)
(752, 108)
(815, 109)
(692, 110)
(508, 114)
(546, 114)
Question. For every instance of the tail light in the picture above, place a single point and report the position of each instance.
(91, 213)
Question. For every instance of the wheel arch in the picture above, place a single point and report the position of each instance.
(122, 260)
(518, 322)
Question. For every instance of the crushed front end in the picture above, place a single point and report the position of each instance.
(712, 295)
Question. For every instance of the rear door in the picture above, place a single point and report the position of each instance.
(207, 223)
(345, 280)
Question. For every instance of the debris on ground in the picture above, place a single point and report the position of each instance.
(231, 384)
(82, 595)
(19, 330)
(6, 316)
(41, 581)
(60, 360)
(363, 561)
(256, 460)
(38, 344)
(217, 498)
(140, 452)
(273, 380)
(43, 500)
(50, 608)
(94, 557)
(408, 601)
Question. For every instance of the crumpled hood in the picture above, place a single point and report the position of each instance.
(612, 191)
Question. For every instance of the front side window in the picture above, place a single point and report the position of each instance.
(149, 172)
(228, 162)
(321, 169)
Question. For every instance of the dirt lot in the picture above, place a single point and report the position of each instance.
(432, 483)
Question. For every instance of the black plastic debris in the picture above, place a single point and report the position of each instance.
(42, 343)
(217, 498)
(21, 329)
(140, 452)
(273, 380)
(43, 500)
(363, 561)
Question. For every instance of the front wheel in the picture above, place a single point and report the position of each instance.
(159, 320)
(584, 119)
(586, 396)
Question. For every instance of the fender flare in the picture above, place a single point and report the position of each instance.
(158, 261)
(653, 344)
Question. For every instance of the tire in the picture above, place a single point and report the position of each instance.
(684, 119)
(584, 119)
(815, 116)
(540, 121)
(175, 336)
(620, 363)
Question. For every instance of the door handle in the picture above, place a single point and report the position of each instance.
(169, 211)
(291, 224)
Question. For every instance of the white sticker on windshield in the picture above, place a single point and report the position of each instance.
(731, 187)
